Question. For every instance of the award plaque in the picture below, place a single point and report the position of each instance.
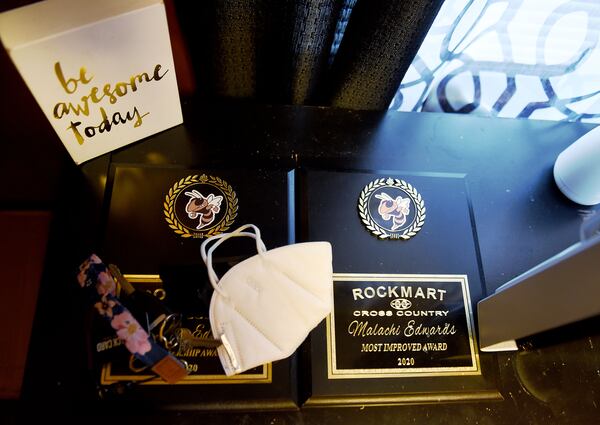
(407, 274)
(157, 219)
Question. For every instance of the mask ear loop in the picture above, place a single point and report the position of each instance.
(218, 240)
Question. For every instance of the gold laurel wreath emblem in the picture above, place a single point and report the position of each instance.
(373, 226)
(226, 222)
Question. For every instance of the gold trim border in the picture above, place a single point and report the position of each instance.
(265, 377)
(143, 278)
(334, 373)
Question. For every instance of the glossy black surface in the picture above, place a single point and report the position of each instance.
(521, 219)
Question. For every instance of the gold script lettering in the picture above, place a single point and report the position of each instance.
(70, 84)
(106, 124)
(97, 94)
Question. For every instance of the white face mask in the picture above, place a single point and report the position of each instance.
(264, 307)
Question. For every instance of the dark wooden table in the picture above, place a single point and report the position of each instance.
(521, 219)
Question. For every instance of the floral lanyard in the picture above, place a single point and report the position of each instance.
(94, 276)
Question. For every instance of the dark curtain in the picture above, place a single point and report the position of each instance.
(278, 51)
(378, 46)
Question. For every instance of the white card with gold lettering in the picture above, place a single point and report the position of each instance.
(102, 72)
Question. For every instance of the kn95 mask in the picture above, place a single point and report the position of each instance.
(263, 308)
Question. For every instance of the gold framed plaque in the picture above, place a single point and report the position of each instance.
(401, 325)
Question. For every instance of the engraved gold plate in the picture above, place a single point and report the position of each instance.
(391, 209)
(401, 325)
(200, 206)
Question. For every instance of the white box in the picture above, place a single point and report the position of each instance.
(102, 71)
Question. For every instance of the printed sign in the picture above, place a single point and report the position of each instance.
(102, 72)
(401, 325)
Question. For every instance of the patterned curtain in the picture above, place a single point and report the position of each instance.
(536, 59)
(345, 53)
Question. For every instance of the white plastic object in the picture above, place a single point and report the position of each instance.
(577, 169)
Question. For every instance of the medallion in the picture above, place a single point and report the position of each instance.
(391, 209)
(200, 206)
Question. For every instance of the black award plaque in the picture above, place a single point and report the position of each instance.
(157, 219)
(407, 274)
